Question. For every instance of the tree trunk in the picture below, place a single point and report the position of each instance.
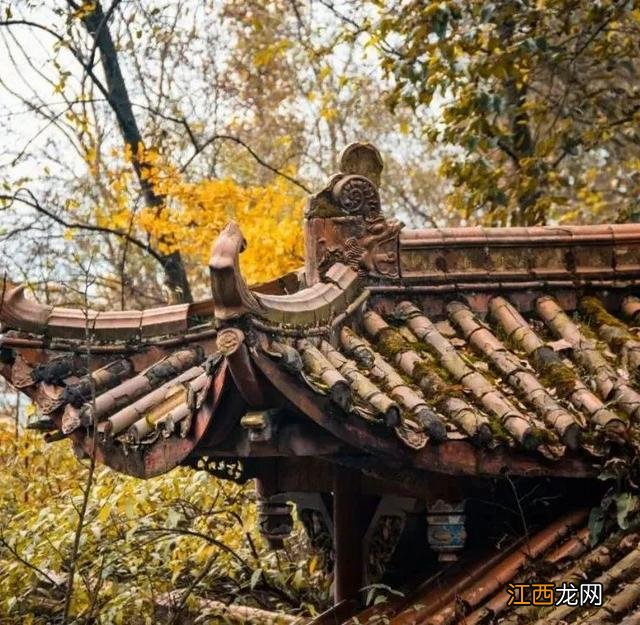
(96, 25)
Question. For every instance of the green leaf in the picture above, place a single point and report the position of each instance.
(255, 578)
(597, 519)
(542, 44)
(487, 11)
(440, 23)
(472, 143)
(627, 506)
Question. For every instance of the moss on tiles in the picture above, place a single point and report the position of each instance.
(542, 436)
(554, 373)
(560, 377)
(472, 358)
(424, 347)
(585, 329)
(431, 369)
(596, 314)
(501, 334)
(423, 370)
(592, 437)
(390, 343)
(499, 431)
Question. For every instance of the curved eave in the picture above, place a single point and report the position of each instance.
(18, 340)
(26, 315)
(311, 306)
(315, 305)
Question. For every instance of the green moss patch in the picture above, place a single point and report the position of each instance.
(554, 373)
(595, 314)
(499, 431)
(542, 436)
(390, 343)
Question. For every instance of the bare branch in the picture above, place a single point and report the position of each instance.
(248, 148)
(24, 562)
(33, 203)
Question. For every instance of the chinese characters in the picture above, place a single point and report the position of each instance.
(546, 594)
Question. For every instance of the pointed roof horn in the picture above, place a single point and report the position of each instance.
(231, 295)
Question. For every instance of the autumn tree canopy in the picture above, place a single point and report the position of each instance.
(537, 102)
(131, 132)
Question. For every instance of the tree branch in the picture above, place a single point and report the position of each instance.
(169, 531)
(248, 148)
(118, 97)
(33, 203)
(177, 611)
(24, 562)
(200, 147)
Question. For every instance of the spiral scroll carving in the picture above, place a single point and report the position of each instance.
(357, 195)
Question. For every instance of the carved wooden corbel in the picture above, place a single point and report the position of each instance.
(231, 295)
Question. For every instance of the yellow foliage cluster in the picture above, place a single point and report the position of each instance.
(194, 212)
(140, 540)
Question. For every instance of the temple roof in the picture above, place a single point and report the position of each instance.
(498, 586)
(460, 350)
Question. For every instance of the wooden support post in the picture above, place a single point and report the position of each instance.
(347, 534)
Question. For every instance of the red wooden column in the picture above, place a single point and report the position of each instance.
(347, 534)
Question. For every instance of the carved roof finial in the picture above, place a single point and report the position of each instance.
(344, 221)
(362, 159)
(231, 295)
(354, 191)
